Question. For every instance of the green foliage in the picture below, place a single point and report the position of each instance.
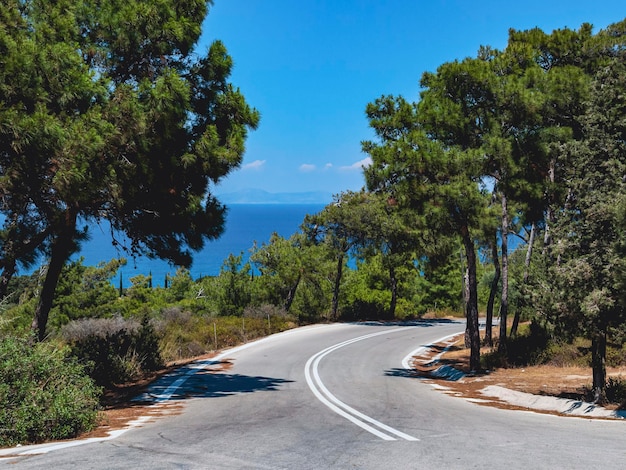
(140, 298)
(85, 292)
(563, 353)
(114, 350)
(585, 294)
(440, 285)
(294, 275)
(368, 294)
(44, 394)
(527, 348)
(426, 160)
(577, 352)
(180, 285)
(233, 286)
(108, 113)
(615, 391)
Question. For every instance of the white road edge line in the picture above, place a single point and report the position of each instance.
(406, 362)
(320, 391)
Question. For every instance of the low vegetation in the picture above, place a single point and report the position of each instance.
(45, 393)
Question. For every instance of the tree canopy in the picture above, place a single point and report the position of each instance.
(512, 120)
(108, 113)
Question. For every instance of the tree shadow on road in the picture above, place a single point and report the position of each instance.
(210, 380)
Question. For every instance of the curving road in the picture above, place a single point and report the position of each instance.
(335, 397)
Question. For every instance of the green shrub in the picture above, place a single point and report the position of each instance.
(363, 310)
(45, 394)
(114, 350)
(616, 391)
(528, 347)
(615, 355)
(575, 353)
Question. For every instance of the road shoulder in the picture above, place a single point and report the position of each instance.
(551, 390)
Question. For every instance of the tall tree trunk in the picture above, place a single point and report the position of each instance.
(529, 254)
(504, 299)
(292, 293)
(465, 297)
(472, 301)
(492, 292)
(335, 303)
(62, 248)
(598, 365)
(468, 333)
(394, 292)
(547, 235)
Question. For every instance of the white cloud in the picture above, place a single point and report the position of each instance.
(328, 166)
(307, 167)
(357, 166)
(255, 165)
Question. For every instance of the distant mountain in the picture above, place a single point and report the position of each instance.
(260, 196)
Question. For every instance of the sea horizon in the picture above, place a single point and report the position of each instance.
(245, 224)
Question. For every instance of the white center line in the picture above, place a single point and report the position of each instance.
(325, 396)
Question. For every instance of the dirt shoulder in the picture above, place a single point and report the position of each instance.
(120, 410)
(545, 389)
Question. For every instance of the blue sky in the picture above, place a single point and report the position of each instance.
(311, 67)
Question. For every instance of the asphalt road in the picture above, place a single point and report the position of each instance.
(336, 397)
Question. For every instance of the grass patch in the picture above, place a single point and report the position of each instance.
(442, 313)
(183, 334)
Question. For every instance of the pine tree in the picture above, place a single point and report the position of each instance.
(589, 276)
(108, 113)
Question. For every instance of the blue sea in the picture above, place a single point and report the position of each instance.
(245, 224)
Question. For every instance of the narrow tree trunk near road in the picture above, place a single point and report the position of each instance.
(468, 335)
(492, 292)
(62, 248)
(394, 292)
(598, 365)
(529, 253)
(549, 218)
(292, 293)
(465, 298)
(472, 301)
(504, 299)
(335, 302)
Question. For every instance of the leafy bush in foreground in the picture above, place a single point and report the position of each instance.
(114, 350)
(44, 394)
